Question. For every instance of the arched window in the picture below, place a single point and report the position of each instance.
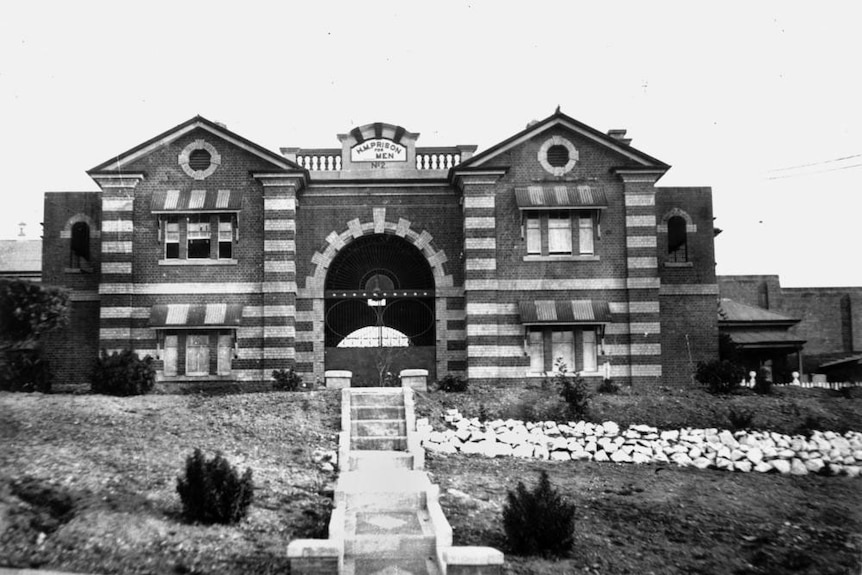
(80, 244)
(677, 239)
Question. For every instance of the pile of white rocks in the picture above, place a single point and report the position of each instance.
(763, 451)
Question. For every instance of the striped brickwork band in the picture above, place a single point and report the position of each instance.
(278, 330)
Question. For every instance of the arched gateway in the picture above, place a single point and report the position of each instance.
(379, 311)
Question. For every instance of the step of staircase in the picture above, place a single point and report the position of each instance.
(391, 534)
(389, 566)
(377, 398)
(379, 443)
(378, 428)
(373, 412)
(386, 490)
(374, 460)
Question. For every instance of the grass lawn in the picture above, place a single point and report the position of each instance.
(87, 483)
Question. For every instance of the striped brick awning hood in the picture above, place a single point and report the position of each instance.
(209, 315)
(564, 312)
(196, 200)
(560, 196)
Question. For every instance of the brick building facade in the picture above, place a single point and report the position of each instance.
(224, 260)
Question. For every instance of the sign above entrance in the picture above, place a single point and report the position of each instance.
(378, 150)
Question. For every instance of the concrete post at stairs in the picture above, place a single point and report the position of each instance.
(337, 379)
(414, 379)
(473, 561)
(314, 556)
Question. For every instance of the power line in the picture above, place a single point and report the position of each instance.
(816, 163)
(815, 172)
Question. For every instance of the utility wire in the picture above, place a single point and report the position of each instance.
(815, 172)
(815, 163)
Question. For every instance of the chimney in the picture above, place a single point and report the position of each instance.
(619, 135)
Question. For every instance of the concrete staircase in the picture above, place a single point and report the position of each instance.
(388, 528)
(387, 518)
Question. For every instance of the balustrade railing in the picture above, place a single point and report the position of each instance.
(437, 159)
(329, 160)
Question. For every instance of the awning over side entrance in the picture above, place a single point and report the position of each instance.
(201, 316)
(765, 339)
(550, 196)
(564, 312)
(168, 201)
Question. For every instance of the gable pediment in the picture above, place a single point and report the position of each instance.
(126, 159)
(559, 123)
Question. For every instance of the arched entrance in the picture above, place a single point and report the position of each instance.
(379, 310)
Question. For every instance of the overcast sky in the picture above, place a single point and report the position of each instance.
(760, 100)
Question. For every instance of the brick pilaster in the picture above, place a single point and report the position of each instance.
(642, 278)
(279, 271)
(480, 269)
(118, 239)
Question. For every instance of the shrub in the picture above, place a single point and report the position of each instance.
(212, 491)
(24, 370)
(572, 389)
(452, 384)
(608, 386)
(29, 310)
(538, 521)
(314, 522)
(762, 386)
(720, 376)
(286, 379)
(123, 373)
(740, 419)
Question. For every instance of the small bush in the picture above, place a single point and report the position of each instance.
(608, 386)
(762, 386)
(286, 379)
(123, 373)
(452, 384)
(720, 376)
(314, 523)
(809, 425)
(539, 521)
(740, 419)
(572, 389)
(212, 490)
(24, 370)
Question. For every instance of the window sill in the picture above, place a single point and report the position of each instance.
(584, 258)
(181, 378)
(197, 262)
(678, 264)
(568, 373)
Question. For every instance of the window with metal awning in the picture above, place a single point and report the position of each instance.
(560, 219)
(567, 330)
(196, 339)
(197, 225)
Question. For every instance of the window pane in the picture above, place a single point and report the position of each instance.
(677, 239)
(170, 358)
(537, 351)
(534, 235)
(199, 236)
(197, 355)
(590, 359)
(563, 346)
(585, 234)
(225, 353)
(172, 237)
(559, 233)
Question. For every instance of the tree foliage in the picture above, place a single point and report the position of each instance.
(539, 521)
(28, 310)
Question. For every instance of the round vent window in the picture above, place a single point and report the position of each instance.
(558, 156)
(200, 160)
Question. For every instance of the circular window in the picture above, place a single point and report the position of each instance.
(558, 156)
(199, 159)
